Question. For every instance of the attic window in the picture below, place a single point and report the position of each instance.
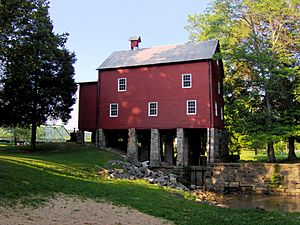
(122, 83)
(186, 80)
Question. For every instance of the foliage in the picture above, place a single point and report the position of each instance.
(34, 177)
(36, 82)
(261, 43)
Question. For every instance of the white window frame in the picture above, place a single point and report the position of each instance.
(119, 85)
(110, 109)
(219, 87)
(187, 107)
(182, 80)
(216, 109)
(149, 108)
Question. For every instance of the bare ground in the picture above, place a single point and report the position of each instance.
(68, 210)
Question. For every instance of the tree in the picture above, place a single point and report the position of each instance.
(37, 80)
(260, 42)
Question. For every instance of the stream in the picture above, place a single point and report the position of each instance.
(263, 202)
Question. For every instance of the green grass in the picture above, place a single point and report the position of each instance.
(248, 155)
(33, 177)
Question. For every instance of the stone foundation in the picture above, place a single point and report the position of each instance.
(100, 138)
(216, 145)
(254, 177)
(132, 148)
(155, 157)
(80, 137)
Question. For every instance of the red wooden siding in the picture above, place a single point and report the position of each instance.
(217, 75)
(162, 84)
(87, 106)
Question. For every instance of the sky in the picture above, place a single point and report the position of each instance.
(99, 27)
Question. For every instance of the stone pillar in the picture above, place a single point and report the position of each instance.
(132, 148)
(186, 150)
(215, 145)
(155, 157)
(210, 145)
(180, 146)
(80, 136)
(100, 138)
(169, 149)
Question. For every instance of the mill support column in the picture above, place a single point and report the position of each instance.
(100, 138)
(169, 149)
(180, 147)
(80, 136)
(155, 157)
(132, 148)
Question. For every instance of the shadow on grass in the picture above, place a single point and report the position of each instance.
(23, 178)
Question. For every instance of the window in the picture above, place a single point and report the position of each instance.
(219, 87)
(216, 108)
(222, 114)
(122, 84)
(152, 109)
(113, 110)
(191, 107)
(186, 80)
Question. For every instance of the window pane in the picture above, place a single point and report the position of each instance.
(186, 80)
(113, 111)
(122, 84)
(191, 107)
(152, 109)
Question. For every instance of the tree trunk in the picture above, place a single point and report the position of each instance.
(34, 117)
(15, 137)
(33, 136)
(256, 151)
(291, 145)
(271, 153)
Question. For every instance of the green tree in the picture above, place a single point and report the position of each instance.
(37, 76)
(260, 42)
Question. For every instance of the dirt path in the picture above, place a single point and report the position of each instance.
(70, 210)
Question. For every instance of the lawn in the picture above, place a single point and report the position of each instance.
(262, 156)
(70, 169)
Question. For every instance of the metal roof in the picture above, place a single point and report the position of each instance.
(161, 54)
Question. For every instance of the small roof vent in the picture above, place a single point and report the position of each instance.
(134, 42)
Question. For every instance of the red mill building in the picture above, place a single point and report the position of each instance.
(163, 104)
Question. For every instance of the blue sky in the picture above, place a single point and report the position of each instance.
(99, 27)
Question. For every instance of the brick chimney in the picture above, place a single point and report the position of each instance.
(134, 42)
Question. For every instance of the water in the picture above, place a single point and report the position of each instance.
(262, 202)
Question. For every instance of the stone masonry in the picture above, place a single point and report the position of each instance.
(216, 145)
(155, 148)
(169, 150)
(180, 146)
(100, 138)
(264, 178)
(132, 148)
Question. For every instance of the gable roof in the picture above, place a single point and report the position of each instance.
(161, 54)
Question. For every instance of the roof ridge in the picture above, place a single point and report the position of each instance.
(161, 54)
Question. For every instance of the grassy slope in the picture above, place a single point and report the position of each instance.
(31, 177)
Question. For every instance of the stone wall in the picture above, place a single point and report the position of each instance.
(216, 145)
(256, 177)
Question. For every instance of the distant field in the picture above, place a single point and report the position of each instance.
(262, 156)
